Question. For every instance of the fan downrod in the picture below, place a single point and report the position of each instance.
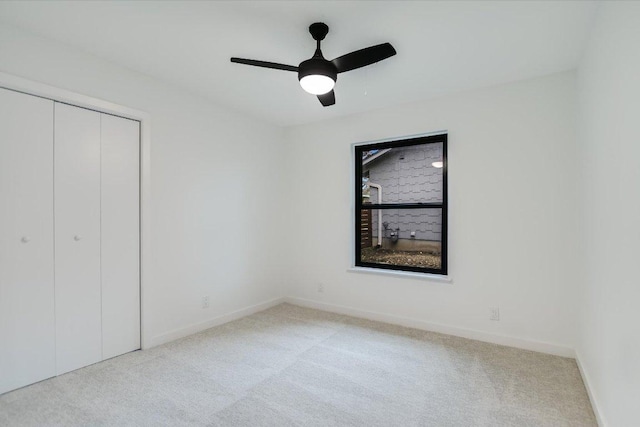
(318, 30)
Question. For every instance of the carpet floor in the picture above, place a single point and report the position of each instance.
(293, 366)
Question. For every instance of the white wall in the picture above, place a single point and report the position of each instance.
(212, 176)
(512, 189)
(609, 133)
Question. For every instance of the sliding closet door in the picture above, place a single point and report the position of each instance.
(27, 346)
(120, 236)
(77, 237)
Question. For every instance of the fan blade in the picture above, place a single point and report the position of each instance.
(363, 57)
(265, 64)
(327, 99)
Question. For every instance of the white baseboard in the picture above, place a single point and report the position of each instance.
(218, 320)
(539, 346)
(590, 391)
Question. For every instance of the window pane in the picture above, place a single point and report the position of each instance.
(411, 174)
(402, 237)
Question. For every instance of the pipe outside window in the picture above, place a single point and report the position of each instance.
(379, 188)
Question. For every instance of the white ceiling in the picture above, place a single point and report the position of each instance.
(442, 46)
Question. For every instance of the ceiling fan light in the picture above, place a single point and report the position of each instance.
(317, 84)
(317, 75)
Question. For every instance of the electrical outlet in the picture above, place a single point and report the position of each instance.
(494, 313)
(205, 302)
(320, 287)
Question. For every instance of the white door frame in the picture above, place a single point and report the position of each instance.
(30, 87)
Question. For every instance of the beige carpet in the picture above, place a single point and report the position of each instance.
(292, 366)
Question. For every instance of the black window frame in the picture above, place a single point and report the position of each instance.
(359, 149)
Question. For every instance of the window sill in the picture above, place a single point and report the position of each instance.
(406, 274)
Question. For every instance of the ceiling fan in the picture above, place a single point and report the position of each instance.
(318, 75)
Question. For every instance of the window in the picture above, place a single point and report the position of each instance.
(401, 205)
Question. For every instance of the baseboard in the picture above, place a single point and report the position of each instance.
(539, 346)
(219, 320)
(590, 391)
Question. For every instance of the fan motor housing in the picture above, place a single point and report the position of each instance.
(317, 66)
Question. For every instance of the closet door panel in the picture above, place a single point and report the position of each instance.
(27, 335)
(120, 236)
(77, 237)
